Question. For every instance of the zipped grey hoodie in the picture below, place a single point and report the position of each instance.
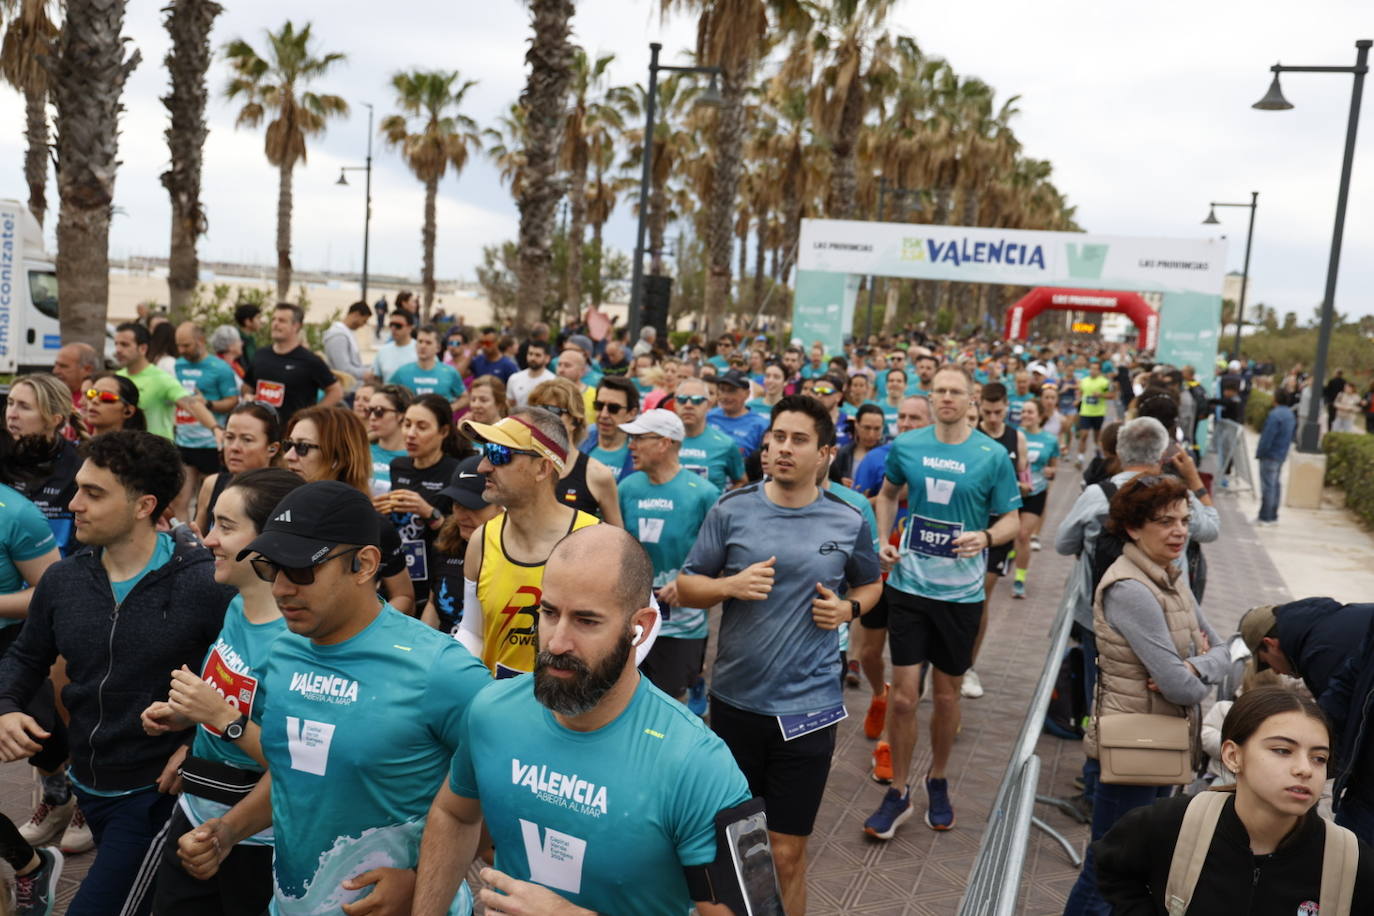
(119, 658)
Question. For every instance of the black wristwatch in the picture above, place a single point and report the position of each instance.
(854, 609)
(234, 730)
(1200, 492)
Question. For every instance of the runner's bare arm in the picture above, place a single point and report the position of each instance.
(601, 481)
(332, 395)
(452, 832)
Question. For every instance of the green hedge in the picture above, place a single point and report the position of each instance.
(1350, 466)
(1257, 408)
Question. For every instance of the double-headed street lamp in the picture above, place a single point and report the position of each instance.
(367, 214)
(710, 97)
(1212, 220)
(1309, 437)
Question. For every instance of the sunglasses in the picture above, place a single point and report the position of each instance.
(612, 409)
(554, 409)
(694, 399)
(823, 390)
(106, 397)
(501, 455)
(377, 413)
(300, 448)
(398, 325)
(267, 570)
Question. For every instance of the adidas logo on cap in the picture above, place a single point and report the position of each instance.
(285, 517)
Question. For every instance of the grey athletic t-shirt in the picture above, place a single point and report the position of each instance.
(772, 659)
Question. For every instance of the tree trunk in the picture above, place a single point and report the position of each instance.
(284, 230)
(792, 211)
(577, 225)
(550, 58)
(36, 154)
(428, 238)
(88, 80)
(598, 252)
(742, 234)
(721, 210)
(760, 231)
(844, 184)
(188, 23)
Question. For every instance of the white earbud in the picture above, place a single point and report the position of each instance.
(639, 633)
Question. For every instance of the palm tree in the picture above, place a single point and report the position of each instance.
(87, 81)
(439, 137)
(274, 86)
(505, 147)
(550, 58)
(732, 36)
(189, 23)
(594, 119)
(29, 39)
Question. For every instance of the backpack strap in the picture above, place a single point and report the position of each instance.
(1108, 488)
(1190, 851)
(1340, 862)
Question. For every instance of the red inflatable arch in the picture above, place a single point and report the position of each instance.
(1083, 300)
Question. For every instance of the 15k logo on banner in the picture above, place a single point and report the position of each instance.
(557, 861)
(309, 742)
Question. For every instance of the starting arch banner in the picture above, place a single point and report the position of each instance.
(833, 254)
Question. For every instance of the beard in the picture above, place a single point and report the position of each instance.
(575, 695)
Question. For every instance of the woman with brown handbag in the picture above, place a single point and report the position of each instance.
(1156, 656)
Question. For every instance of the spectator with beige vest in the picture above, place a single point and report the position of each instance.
(1156, 652)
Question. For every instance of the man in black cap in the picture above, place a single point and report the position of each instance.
(733, 417)
(360, 713)
(448, 600)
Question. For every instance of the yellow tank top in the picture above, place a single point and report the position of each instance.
(509, 593)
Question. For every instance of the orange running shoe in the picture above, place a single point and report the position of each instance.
(877, 715)
(882, 764)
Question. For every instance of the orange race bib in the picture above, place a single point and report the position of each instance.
(237, 689)
(273, 393)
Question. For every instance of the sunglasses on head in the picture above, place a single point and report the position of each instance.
(267, 571)
(501, 455)
(298, 446)
(107, 397)
(612, 409)
(696, 399)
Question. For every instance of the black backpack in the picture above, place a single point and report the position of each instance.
(1107, 547)
(1069, 701)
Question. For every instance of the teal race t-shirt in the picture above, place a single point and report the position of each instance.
(381, 467)
(215, 381)
(1041, 448)
(607, 819)
(665, 519)
(712, 455)
(233, 666)
(951, 489)
(162, 552)
(358, 737)
(613, 458)
(24, 535)
(442, 379)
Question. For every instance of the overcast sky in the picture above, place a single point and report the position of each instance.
(1144, 111)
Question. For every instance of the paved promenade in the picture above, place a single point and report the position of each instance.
(922, 872)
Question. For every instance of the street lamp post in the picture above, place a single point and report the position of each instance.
(1212, 220)
(1309, 437)
(367, 193)
(710, 97)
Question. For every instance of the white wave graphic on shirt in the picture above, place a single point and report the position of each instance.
(392, 846)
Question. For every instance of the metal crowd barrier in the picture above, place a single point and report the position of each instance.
(994, 882)
(1229, 445)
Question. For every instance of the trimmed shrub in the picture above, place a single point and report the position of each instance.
(1350, 466)
(1257, 408)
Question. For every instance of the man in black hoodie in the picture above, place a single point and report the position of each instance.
(1310, 638)
(130, 607)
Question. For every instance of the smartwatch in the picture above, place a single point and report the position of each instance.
(854, 609)
(435, 515)
(234, 730)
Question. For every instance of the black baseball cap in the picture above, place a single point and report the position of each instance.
(734, 379)
(314, 519)
(465, 487)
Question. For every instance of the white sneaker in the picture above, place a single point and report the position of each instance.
(77, 838)
(972, 686)
(1035, 542)
(47, 822)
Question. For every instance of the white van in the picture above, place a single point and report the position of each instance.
(29, 334)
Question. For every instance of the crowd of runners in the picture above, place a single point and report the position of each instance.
(320, 633)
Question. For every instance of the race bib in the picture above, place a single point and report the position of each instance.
(1091, 400)
(237, 689)
(185, 417)
(416, 563)
(806, 723)
(931, 537)
(273, 393)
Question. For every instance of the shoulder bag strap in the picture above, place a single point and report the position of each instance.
(1190, 851)
(1340, 862)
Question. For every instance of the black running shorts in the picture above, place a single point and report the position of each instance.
(928, 630)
